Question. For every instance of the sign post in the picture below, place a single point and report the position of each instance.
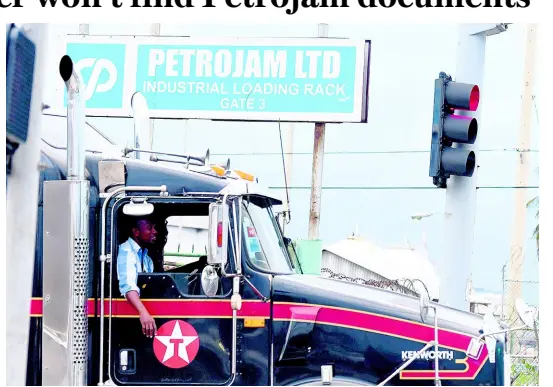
(312, 248)
(317, 174)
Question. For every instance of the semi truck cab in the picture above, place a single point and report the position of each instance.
(240, 312)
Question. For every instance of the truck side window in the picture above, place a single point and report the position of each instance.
(187, 239)
(185, 251)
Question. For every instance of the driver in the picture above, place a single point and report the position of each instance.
(132, 259)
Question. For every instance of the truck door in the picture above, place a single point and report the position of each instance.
(193, 344)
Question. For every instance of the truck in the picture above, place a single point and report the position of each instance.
(240, 312)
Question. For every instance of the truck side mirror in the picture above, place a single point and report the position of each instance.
(218, 234)
(491, 328)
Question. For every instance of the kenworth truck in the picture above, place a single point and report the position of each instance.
(241, 313)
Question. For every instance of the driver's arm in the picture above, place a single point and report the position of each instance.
(127, 275)
(147, 321)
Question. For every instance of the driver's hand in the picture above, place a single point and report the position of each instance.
(148, 324)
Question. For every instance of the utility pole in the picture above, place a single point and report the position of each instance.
(21, 217)
(455, 268)
(516, 255)
(317, 175)
(310, 250)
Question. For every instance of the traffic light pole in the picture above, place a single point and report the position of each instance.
(455, 268)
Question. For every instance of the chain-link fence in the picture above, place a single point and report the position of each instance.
(523, 345)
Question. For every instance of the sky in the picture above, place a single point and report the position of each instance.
(375, 174)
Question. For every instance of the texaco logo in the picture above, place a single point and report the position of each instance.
(176, 344)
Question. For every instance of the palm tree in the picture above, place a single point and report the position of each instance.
(535, 203)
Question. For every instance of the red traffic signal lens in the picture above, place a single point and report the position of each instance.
(462, 96)
(474, 99)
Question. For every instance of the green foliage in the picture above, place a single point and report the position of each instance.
(524, 373)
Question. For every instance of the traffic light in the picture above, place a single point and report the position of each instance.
(448, 128)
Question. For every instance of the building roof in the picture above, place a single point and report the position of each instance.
(391, 263)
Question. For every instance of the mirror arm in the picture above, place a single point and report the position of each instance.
(257, 292)
(237, 206)
(501, 331)
(225, 239)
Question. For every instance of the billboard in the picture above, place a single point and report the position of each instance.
(299, 80)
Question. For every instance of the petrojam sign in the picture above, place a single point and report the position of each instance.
(302, 80)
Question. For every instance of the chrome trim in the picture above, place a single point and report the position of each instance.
(65, 282)
(255, 290)
(272, 362)
(235, 290)
(236, 238)
(436, 350)
(326, 374)
(75, 120)
(202, 160)
(225, 237)
(142, 136)
(239, 236)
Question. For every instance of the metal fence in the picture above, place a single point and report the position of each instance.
(404, 286)
(523, 345)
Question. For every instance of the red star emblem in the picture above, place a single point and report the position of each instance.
(176, 344)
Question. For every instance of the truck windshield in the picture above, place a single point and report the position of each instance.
(263, 243)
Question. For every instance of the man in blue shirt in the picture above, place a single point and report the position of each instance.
(132, 259)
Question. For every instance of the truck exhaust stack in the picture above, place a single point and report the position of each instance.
(65, 252)
(75, 120)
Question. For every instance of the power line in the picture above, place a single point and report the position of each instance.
(360, 188)
(364, 152)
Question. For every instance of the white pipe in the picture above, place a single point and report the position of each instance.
(142, 132)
